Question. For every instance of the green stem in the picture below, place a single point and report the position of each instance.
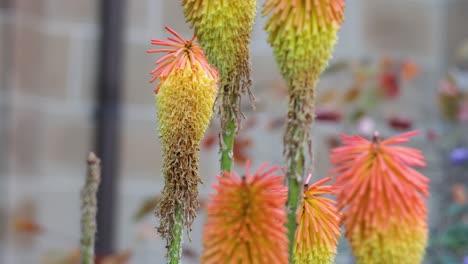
(89, 209)
(295, 172)
(227, 146)
(175, 247)
(296, 140)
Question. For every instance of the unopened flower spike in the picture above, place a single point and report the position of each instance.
(382, 198)
(303, 34)
(224, 29)
(318, 230)
(184, 75)
(246, 219)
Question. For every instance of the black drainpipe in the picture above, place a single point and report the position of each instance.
(107, 134)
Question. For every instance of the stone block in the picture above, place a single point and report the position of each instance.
(25, 141)
(140, 149)
(138, 64)
(41, 62)
(173, 16)
(400, 26)
(66, 10)
(137, 14)
(36, 8)
(457, 34)
(66, 141)
(71, 10)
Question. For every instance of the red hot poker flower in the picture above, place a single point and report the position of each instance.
(246, 219)
(382, 198)
(318, 230)
(181, 54)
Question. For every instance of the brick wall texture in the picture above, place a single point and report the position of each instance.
(51, 84)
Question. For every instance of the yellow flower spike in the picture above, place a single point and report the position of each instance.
(184, 100)
(246, 219)
(382, 198)
(318, 230)
(303, 34)
(223, 29)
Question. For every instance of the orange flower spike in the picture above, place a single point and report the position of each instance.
(382, 198)
(318, 230)
(246, 219)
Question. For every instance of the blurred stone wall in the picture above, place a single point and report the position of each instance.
(50, 87)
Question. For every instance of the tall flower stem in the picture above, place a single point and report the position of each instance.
(302, 34)
(89, 209)
(294, 195)
(296, 140)
(175, 247)
(227, 144)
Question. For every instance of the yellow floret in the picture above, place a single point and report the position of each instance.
(401, 243)
(316, 255)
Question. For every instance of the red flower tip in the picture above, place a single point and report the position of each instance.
(181, 54)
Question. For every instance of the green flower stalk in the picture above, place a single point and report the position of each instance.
(184, 100)
(89, 209)
(302, 34)
(223, 29)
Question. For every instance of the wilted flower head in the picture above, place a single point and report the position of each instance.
(318, 230)
(246, 219)
(184, 100)
(383, 198)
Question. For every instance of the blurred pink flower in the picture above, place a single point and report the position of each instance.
(328, 115)
(463, 112)
(366, 126)
(447, 87)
